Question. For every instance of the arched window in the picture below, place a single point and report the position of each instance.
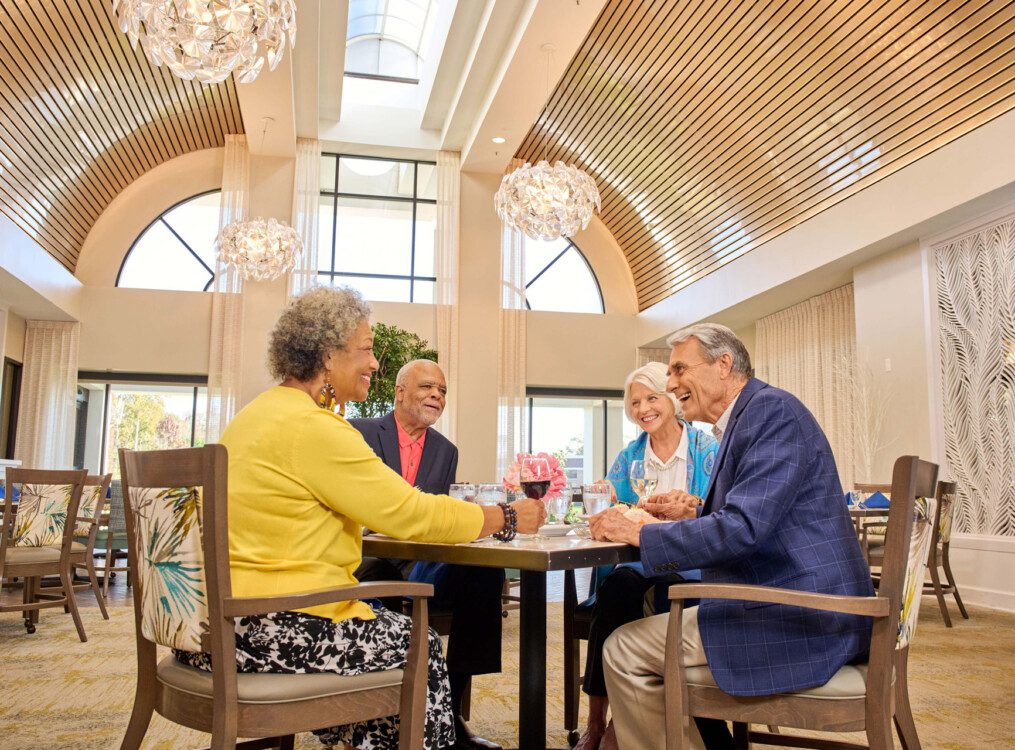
(559, 279)
(177, 250)
(385, 38)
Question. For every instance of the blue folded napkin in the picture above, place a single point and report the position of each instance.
(850, 498)
(877, 500)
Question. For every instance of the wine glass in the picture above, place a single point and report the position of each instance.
(535, 477)
(643, 480)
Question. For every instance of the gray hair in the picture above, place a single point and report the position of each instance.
(313, 325)
(716, 340)
(653, 376)
(404, 370)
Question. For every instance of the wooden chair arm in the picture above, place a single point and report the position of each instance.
(238, 606)
(869, 606)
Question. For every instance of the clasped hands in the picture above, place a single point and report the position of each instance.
(612, 525)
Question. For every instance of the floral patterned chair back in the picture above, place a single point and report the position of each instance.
(169, 557)
(42, 514)
(916, 564)
(91, 496)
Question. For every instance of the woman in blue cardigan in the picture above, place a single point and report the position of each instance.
(680, 456)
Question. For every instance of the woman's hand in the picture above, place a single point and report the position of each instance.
(531, 515)
(674, 505)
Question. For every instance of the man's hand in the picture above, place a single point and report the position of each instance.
(531, 515)
(612, 526)
(674, 505)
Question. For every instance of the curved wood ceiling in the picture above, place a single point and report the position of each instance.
(82, 116)
(712, 128)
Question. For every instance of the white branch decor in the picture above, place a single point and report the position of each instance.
(867, 408)
(976, 331)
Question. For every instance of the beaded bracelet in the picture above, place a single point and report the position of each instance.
(507, 533)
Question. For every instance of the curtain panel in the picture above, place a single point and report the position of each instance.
(225, 352)
(810, 350)
(512, 427)
(446, 259)
(976, 340)
(306, 212)
(649, 354)
(46, 421)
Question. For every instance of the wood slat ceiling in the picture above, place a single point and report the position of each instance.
(712, 128)
(82, 116)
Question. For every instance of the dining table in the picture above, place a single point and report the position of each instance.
(534, 557)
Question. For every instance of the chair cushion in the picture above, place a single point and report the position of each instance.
(849, 682)
(32, 555)
(274, 688)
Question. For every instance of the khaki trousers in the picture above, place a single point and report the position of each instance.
(633, 667)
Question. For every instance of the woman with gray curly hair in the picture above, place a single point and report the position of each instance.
(302, 485)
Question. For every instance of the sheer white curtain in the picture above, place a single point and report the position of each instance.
(446, 251)
(46, 421)
(306, 203)
(650, 354)
(810, 350)
(512, 427)
(225, 353)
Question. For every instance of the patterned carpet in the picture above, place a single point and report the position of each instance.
(56, 692)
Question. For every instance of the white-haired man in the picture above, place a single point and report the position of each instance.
(406, 441)
(773, 515)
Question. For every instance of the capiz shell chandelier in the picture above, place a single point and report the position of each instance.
(259, 249)
(209, 39)
(547, 203)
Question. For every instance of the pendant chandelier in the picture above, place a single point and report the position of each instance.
(208, 40)
(547, 203)
(260, 249)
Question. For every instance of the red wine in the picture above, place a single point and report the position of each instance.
(536, 490)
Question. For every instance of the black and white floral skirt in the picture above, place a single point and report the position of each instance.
(297, 643)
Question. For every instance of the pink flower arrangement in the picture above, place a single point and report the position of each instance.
(512, 480)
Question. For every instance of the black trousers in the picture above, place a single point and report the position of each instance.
(620, 600)
(472, 595)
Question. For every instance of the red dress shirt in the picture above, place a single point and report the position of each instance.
(409, 452)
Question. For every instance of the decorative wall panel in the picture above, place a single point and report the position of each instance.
(82, 116)
(976, 338)
(712, 128)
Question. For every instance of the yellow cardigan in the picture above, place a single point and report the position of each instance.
(302, 484)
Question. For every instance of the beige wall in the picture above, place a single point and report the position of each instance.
(891, 331)
(14, 340)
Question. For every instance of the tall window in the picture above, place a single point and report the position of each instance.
(558, 278)
(585, 431)
(177, 250)
(386, 38)
(377, 225)
(148, 415)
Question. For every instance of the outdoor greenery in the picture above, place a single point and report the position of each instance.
(393, 347)
(141, 421)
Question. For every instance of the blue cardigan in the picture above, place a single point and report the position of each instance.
(701, 450)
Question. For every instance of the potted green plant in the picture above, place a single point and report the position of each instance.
(393, 347)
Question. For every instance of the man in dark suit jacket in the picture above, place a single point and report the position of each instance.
(773, 515)
(406, 442)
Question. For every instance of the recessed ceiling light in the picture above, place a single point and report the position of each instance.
(499, 139)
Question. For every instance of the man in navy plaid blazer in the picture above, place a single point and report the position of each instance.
(773, 515)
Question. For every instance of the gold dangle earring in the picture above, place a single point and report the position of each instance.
(327, 399)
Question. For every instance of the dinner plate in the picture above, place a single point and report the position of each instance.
(554, 529)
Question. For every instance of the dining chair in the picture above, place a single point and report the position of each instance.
(177, 520)
(36, 539)
(93, 505)
(112, 538)
(870, 529)
(863, 697)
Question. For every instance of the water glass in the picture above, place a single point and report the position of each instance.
(557, 507)
(465, 492)
(490, 494)
(596, 497)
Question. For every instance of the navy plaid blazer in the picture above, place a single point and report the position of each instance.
(774, 515)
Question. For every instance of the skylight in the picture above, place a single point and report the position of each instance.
(386, 38)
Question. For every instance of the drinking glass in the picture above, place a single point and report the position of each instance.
(490, 494)
(596, 497)
(557, 507)
(465, 492)
(643, 479)
(535, 477)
